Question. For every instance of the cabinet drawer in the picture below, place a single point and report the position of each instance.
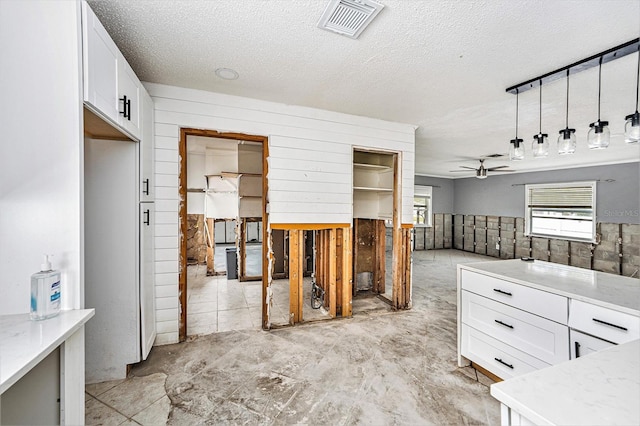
(539, 337)
(546, 305)
(605, 323)
(497, 357)
(583, 344)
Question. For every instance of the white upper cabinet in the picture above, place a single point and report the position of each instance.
(100, 62)
(111, 87)
(129, 98)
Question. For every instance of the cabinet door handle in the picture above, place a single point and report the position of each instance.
(502, 323)
(145, 184)
(146, 215)
(128, 109)
(124, 106)
(504, 363)
(577, 345)
(497, 290)
(609, 324)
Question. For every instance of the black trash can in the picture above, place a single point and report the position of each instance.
(232, 264)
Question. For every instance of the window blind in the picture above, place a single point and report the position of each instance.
(570, 197)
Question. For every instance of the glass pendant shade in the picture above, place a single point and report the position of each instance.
(516, 149)
(632, 128)
(599, 135)
(540, 146)
(567, 141)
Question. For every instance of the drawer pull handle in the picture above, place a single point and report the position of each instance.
(502, 323)
(577, 350)
(504, 363)
(497, 290)
(609, 324)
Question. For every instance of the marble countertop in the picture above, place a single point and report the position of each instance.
(597, 389)
(24, 343)
(599, 288)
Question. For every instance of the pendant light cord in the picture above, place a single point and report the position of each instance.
(540, 105)
(517, 92)
(638, 79)
(599, 86)
(567, 115)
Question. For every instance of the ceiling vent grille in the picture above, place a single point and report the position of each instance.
(349, 17)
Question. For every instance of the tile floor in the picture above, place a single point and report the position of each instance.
(215, 304)
(379, 367)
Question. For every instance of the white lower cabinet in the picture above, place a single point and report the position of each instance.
(496, 356)
(583, 344)
(608, 324)
(510, 329)
(532, 334)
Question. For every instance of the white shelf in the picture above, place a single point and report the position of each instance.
(367, 166)
(372, 189)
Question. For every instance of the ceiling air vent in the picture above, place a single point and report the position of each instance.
(349, 17)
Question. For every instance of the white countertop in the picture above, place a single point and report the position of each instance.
(599, 288)
(24, 343)
(602, 388)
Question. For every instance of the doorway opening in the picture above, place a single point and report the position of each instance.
(222, 189)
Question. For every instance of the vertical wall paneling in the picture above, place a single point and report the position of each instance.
(308, 158)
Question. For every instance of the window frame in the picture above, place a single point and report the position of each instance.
(425, 191)
(529, 210)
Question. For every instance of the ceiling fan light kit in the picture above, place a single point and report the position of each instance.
(599, 134)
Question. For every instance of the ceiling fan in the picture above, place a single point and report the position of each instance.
(481, 172)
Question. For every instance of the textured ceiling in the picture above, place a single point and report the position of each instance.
(439, 65)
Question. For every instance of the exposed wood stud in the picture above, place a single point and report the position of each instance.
(332, 273)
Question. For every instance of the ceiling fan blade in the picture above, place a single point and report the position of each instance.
(500, 171)
(497, 167)
(467, 167)
(459, 171)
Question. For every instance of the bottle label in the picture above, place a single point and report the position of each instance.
(55, 295)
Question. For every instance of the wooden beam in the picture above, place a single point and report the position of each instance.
(381, 257)
(332, 273)
(209, 240)
(339, 270)
(347, 271)
(295, 277)
(309, 226)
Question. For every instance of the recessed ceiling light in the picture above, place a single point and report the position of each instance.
(227, 73)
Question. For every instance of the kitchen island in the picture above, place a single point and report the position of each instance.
(565, 340)
(602, 388)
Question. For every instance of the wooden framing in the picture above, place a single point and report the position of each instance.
(182, 213)
(211, 245)
(296, 274)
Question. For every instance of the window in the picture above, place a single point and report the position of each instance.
(561, 210)
(422, 206)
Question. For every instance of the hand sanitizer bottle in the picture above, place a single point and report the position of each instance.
(45, 292)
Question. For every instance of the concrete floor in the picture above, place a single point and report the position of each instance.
(379, 367)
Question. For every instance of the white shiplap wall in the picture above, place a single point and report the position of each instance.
(310, 167)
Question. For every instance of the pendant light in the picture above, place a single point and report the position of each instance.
(598, 137)
(567, 138)
(540, 146)
(632, 127)
(516, 148)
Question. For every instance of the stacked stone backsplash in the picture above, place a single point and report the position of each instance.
(196, 244)
(617, 250)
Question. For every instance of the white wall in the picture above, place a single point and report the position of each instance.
(41, 149)
(310, 165)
